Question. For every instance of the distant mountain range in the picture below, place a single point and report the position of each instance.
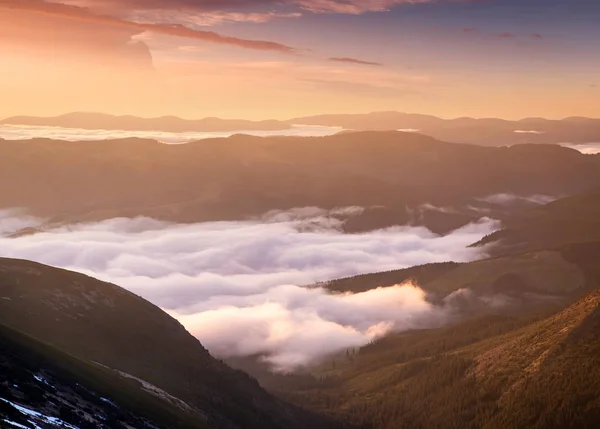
(244, 176)
(173, 124)
(485, 132)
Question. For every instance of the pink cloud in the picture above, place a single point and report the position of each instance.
(177, 30)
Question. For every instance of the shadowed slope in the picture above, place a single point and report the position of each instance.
(103, 323)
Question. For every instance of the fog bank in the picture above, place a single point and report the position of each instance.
(237, 286)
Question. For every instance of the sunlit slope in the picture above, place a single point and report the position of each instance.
(535, 371)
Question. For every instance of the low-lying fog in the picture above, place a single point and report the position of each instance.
(237, 286)
(24, 132)
(587, 148)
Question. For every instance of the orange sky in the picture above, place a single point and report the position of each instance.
(265, 59)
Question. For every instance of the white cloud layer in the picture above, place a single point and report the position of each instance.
(508, 199)
(24, 132)
(235, 285)
(585, 148)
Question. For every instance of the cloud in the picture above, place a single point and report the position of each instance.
(177, 30)
(353, 7)
(354, 61)
(237, 285)
(506, 35)
(24, 132)
(12, 220)
(508, 199)
(528, 132)
(217, 17)
(586, 148)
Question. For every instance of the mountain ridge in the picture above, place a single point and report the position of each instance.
(479, 131)
(185, 183)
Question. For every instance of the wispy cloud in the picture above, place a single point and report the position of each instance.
(355, 61)
(353, 7)
(177, 30)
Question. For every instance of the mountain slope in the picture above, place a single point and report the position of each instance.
(562, 222)
(521, 281)
(485, 132)
(496, 372)
(99, 322)
(242, 176)
(52, 386)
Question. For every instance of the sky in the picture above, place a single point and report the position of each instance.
(280, 59)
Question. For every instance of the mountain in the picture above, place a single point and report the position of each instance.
(569, 220)
(100, 121)
(514, 284)
(486, 132)
(42, 386)
(109, 329)
(538, 371)
(533, 369)
(245, 176)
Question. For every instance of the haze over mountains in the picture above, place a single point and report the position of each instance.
(486, 132)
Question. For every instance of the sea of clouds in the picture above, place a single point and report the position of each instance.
(24, 132)
(239, 286)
